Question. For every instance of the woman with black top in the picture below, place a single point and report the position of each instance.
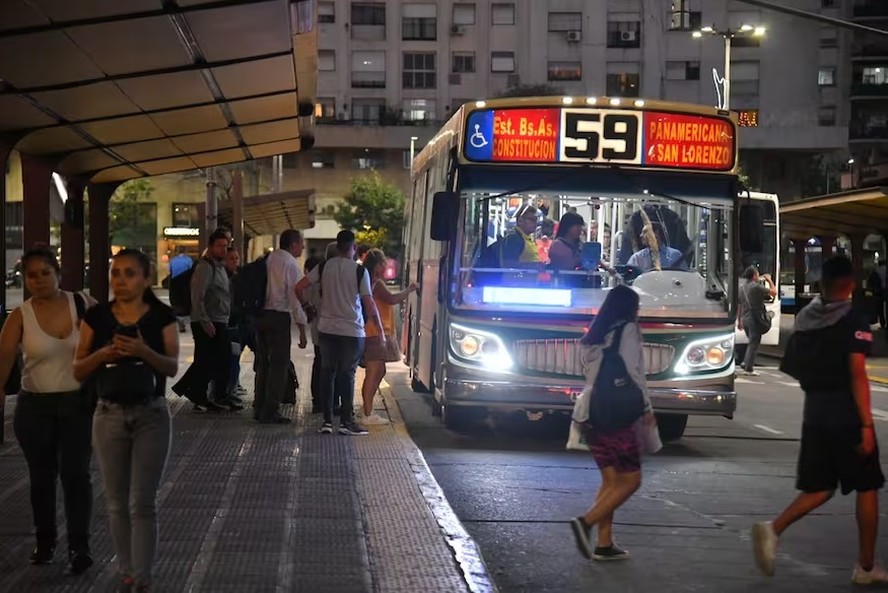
(52, 415)
(130, 346)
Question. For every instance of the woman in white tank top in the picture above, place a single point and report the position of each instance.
(52, 417)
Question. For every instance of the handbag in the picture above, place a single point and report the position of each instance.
(392, 349)
(617, 401)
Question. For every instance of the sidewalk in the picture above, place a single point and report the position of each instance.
(877, 362)
(254, 508)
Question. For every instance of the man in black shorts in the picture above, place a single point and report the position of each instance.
(827, 354)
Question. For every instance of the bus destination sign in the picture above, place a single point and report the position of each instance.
(592, 135)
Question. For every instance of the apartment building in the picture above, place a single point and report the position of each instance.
(394, 70)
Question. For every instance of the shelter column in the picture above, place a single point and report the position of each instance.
(5, 149)
(73, 244)
(36, 177)
(99, 239)
(237, 212)
(857, 242)
(827, 247)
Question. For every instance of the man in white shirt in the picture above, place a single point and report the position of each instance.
(273, 327)
(345, 294)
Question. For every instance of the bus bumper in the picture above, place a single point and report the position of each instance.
(705, 396)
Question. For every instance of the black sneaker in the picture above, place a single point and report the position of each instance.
(581, 534)
(352, 429)
(79, 561)
(326, 428)
(43, 554)
(608, 553)
(276, 420)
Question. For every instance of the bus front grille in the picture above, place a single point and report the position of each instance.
(564, 357)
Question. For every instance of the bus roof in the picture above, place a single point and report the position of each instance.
(684, 143)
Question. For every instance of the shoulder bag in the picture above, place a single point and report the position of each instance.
(617, 401)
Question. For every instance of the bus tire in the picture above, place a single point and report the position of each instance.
(672, 426)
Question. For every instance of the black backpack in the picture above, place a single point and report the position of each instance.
(359, 275)
(251, 287)
(616, 400)
(180, 288)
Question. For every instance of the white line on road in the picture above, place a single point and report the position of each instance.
(748, 381)
(789, 383)
(767, 429)
(880, 415)
(878, 388)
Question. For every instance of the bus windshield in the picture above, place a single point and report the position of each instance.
(550, 251)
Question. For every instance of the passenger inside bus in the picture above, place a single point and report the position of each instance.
(564, 253)
(519, 248)
(673, 226)
(657, 255)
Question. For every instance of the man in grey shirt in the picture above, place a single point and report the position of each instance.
(210, 310)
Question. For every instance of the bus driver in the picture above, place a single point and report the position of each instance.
(656, 254)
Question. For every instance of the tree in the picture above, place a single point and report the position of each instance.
(374, 209)
(531, 90)
(125, 218)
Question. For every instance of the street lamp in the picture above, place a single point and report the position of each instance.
(745, 30)
(413, 140)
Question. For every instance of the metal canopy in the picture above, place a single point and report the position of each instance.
(857, 212)
(117, 89)
(269, 213)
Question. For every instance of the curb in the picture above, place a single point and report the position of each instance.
(873, 378)
(466, 552)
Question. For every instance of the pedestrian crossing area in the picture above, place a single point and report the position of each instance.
(772, 376)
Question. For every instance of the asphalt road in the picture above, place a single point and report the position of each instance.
(514, 487)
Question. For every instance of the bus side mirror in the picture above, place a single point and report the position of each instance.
(445, 211)
(752, 228)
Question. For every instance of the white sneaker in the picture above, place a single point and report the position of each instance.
(764, 545)
(374, 420)
(876, 576)
(751, 373)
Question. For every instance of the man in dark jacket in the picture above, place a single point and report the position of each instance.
(827, 354)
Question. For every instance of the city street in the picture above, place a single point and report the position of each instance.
(688, 527)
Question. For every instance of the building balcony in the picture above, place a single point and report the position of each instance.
(867, 133)
(864, 91)
(870, 51)
(872, 8)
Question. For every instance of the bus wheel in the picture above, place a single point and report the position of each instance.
(672, 426)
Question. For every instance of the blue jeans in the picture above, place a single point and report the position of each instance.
(339, 361)
(132, 444)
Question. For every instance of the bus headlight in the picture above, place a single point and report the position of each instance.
(708, 354)
(479, 346)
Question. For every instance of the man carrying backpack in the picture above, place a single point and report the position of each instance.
(273, 327)
(341, 329)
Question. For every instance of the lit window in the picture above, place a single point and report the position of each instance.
(826, 77)
(748, 118)
(565, 71)
(419, 109)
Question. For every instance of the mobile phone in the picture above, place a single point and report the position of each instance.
(130, 331)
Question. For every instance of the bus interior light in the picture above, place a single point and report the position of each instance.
(479, 346)
(512, 295)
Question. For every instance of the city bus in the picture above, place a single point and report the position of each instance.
(486, 334)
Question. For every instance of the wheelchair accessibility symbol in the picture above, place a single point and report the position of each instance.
(478, 140)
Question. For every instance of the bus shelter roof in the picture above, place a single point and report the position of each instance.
(856, 212)
(116, 89)
(269, 213)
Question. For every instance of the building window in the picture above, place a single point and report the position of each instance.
(502, 61)
(748, 118)
(322, 159)
(502, 13)
(565, 71)
(682, 18)
(419, 109)
(875, 75)
(368, 21)
(744, 78)
(325, 109)
(419, 70)
(185, 215)
(826, 115)
(622, 84)
(326, 12)
(326, 60)
(367, 111)
(827, 3)
(368, 159)
(368, 69)
(463, 62)
(682, 70)
(624, 33)
(419, 22)
(826, 77)
(565, 21)
(463, 14)
(828, 37)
